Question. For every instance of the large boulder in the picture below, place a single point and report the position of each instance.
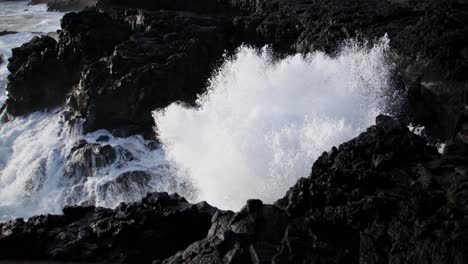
(249, 236)
(37, 78)
(169, 58)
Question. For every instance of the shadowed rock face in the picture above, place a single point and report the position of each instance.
(383, 197)
(155, 228)
(168, 58)
(43, 71)
(37, 78)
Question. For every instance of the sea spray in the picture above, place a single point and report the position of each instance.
(263, 122)
(39, 173)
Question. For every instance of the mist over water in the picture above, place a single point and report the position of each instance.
(263, 122)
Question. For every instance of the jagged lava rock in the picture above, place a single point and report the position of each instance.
(43, 71)
(384, 197)
(37, 78)
(168, 58)
(154, 228)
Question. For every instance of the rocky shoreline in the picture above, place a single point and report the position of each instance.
(383, 197)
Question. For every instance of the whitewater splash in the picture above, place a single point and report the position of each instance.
(44, 162)
(41, 171)
(258, 130)
(263, 122)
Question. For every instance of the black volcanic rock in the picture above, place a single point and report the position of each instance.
(43, 71)
(37, 80)
(383, 197)
(168, 58)
(89, 35)
(154, 228)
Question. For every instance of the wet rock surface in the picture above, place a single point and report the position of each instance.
(383, 197)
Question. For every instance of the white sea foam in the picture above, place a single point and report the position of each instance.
(263, 122)
(36, 157)
(35, 162)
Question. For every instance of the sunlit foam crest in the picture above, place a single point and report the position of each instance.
(264, 121)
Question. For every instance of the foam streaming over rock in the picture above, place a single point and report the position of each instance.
(46, 164)
(263, 121)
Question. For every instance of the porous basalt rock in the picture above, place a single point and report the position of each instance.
(167, 59)
(154, 228)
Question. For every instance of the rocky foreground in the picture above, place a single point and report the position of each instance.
(384, 197)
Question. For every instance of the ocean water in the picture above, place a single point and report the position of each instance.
(27, 21)
(258, 129)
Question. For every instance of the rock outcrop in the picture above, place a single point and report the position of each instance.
(37, 77)
(168, 58)
(125, 58)
(152, 229)
(383, 197)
